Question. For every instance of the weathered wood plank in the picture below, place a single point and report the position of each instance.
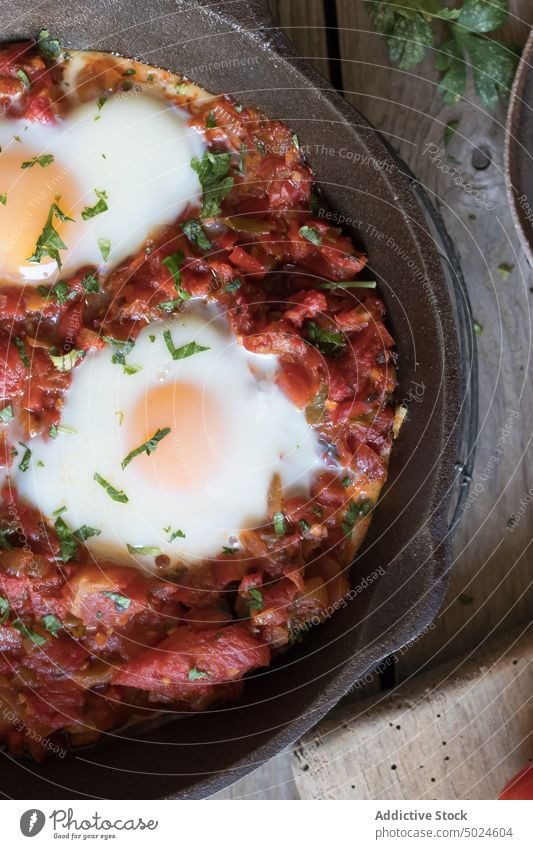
(492, 562)
(461, 731)
(303, 21)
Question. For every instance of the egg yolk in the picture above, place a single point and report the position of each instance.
(190, 454)
(28, 194)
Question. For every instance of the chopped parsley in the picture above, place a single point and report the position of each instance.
(127, 369)
(99, 207)
(348, 284)
(53, 431)
(105, 248)
(305, 527)
(121, 602)
(195, 674)
(183, 351)
(356, 510)
(311, 234)
(3, 199)
(4, 542)
(23, 629)
(173, 534)
(279, 524)
(149, 550)
(26, 457)
(90, 283)
(195, 234)
(115, 494)
(68, 544)
(325, 341)
(66, 362)
(50, 242)
(233, 285)
(346, 481)
(86, 532)
(22, 351)
(213, 173)
(43, 160)
(173, 263)
(6, 414)
(52, 624)
(49, 48)
(254, 600)
(147, 447)
(100, 103)
(121, 348)
(129, 73)
(4, 610)
(22, 75)
(168, 306)
(211, 121)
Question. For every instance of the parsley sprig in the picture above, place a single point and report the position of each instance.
(409, 27)
(50, 242)
(213, 173)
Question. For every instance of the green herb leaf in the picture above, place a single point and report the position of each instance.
(233, 285)
(68, 545)
(348, 284)
(43, 160)
(147, 447)
(22, 75)
(50, 242)
(183, 351)
(505, 270)
(4, 610)
(173, 534)
(66, 362)
(23, 629)
(99, 207)
(195, 234)
(148, 550)
(483, 15)
(53, 431)
(311, 234)
(129, 73)
(26, 457)
(356, 510)
(213, 173)
(6, 414)
(279, 524)
(90, 283)
(195, 674)
(210, 121)
(121, 348)
(254, 600)
(105, 248)
(115, 494)
(173, 263)
(121, 602)
(325, 341)
(478, 328)
(86, 532)
(52, 624)
(48, 47)
(3, 199)
(127, 369)
(19, 343)
(305, 527)
(346, 482)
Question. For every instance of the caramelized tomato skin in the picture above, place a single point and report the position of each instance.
(83, 646)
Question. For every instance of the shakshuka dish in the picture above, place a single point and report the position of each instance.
(196, 387)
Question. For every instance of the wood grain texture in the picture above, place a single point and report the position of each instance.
(459, 732)
(303, 21)
(491, 561)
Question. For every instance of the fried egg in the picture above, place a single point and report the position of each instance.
(172, 448)
(119, 167)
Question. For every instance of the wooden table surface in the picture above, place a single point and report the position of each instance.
(490, 589)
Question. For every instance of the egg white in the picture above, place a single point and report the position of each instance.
(266, 435)
(135, 148)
